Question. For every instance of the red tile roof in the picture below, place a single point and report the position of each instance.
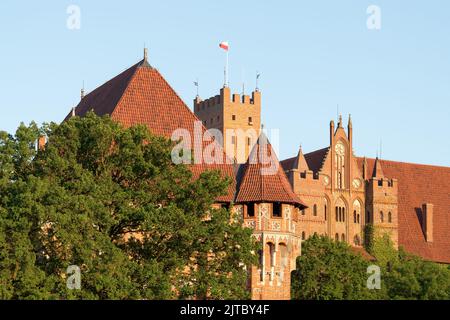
(419, 184)
(363, 253)
(259, 184)
(140, 95)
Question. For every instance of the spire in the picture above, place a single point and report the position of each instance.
(377, 170)
(340, 121)
(144, 62)
(349, 120)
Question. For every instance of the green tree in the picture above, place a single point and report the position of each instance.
(329, 270)
(405, 276)
(410, 277)
(109, 200)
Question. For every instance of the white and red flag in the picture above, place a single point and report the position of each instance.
(224, 45)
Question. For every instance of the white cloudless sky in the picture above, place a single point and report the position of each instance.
(312, 56)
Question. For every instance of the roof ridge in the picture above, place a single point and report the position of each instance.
(407, 163)
(127, 87)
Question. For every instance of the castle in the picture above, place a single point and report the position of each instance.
(330, 191)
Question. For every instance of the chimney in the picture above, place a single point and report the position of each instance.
(427, 221)
(41, 143)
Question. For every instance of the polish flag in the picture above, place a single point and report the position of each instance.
(224, 45)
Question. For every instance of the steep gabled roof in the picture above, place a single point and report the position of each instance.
(140, 95)
(419, 184)
(265, 181)
(314, 160)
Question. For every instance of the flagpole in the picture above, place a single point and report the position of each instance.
(226, 70)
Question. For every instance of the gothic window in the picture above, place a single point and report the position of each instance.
(356, 241)
(336, 237)
(250, 120)
(381, 216)
(315, 210)
(233, 117)
(325, 212)
(357, 211)
(303, 235)
(340, 164)
(271, 250)
(343, 237)
(337, 214)
(343, 214)
(390, 217)
(261, 261)
(283, 255)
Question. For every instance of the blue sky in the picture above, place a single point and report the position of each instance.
(312, 56)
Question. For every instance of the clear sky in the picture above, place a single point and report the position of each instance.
(312, 56)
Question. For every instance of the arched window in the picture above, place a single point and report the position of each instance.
(357, 211)
(325, 212)
(389, 217)
(303, 212)
(343, 237)
(381, 216)
(261, 261)
(337, 215)
(315, 210)
(336, 237)
(303, 235)
(283, 255)
(343, 214)
(272, 254)
(356, 240)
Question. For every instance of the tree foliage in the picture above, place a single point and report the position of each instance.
(109, 200)
(329, 270)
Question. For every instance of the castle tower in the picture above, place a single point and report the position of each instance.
(237, 117)
(270, 208)
(382, 203)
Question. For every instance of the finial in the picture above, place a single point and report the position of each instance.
(73, 112)
(82, 91)
(340, 121)
(196, 84)
(349, 120)
(145, 54)
(262, 126)
(257, 80)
